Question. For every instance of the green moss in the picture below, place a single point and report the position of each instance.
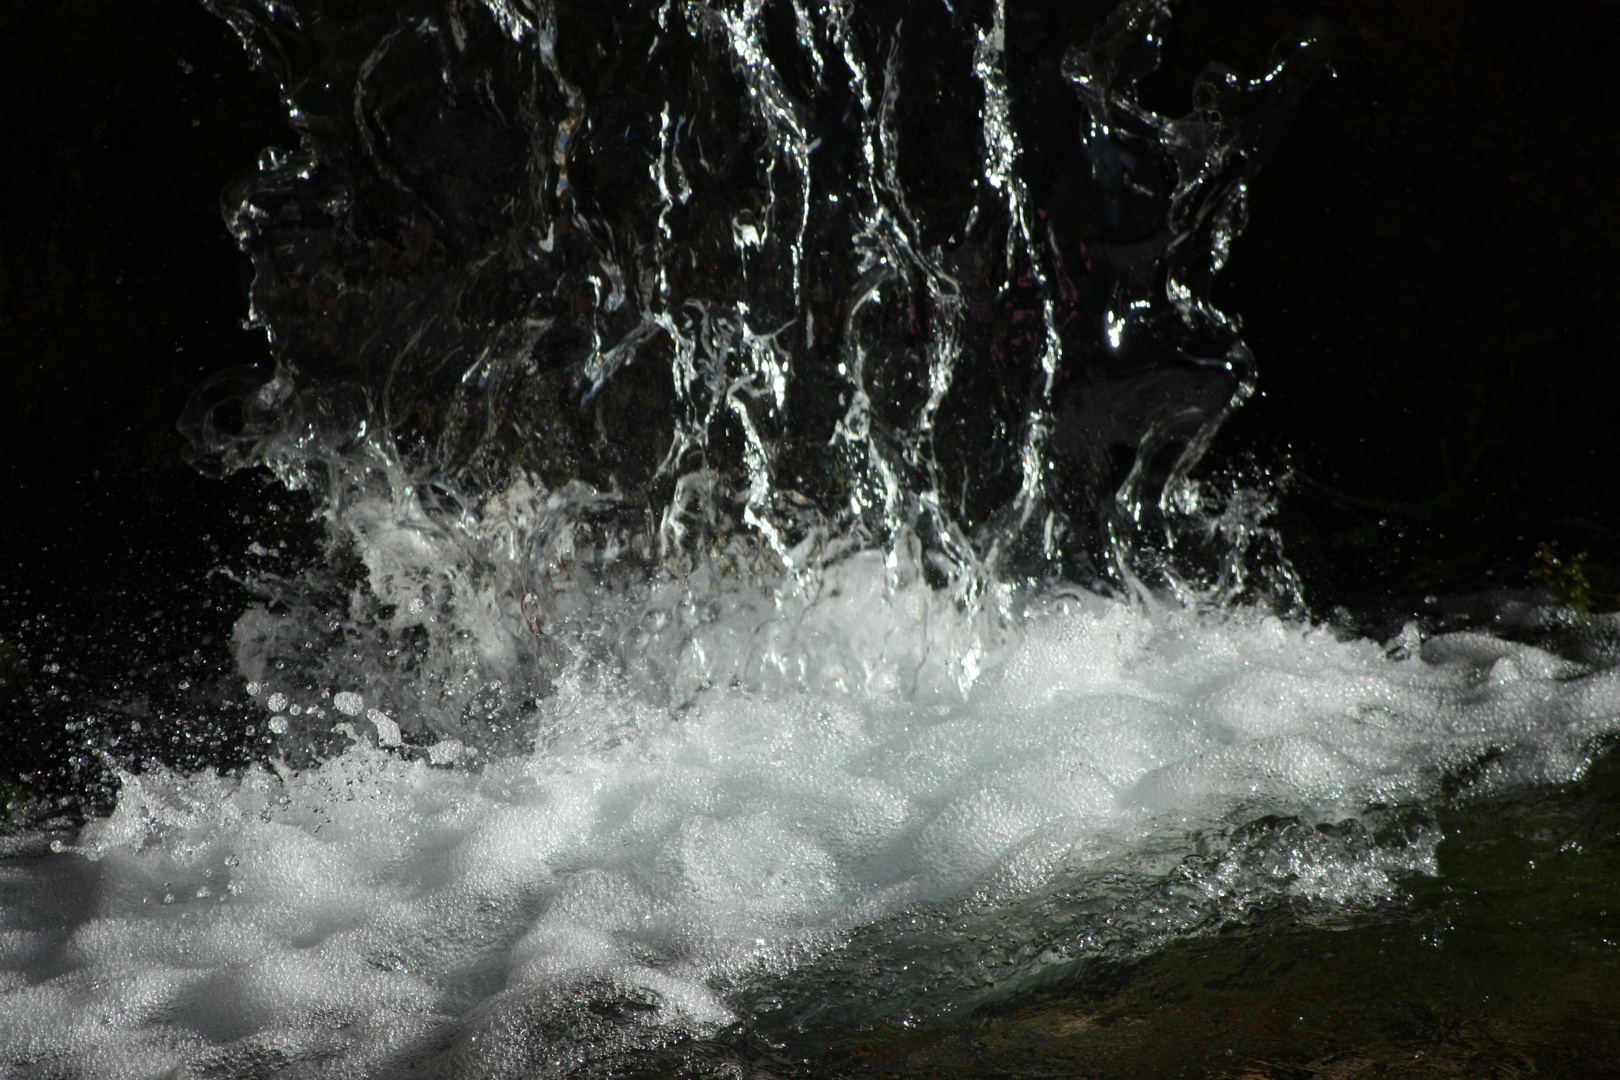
(1567, 578)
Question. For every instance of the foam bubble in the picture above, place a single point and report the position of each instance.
(756, 856)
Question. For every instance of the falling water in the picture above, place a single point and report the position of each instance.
(770, 591)
(676, 311)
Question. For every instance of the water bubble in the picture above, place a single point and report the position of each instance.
(446, 752)
(388, 733)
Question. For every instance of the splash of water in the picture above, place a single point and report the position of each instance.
(758, 442)
(590, 329)
(721, 889)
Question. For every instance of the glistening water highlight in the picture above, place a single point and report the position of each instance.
(771, 593)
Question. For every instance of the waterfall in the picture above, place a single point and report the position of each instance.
(771, 599)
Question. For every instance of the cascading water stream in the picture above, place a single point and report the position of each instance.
(770, 596)
(676, 311)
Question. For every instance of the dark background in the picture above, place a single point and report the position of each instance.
(120, 290)
(1427, 282)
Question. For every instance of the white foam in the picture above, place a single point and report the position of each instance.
(370, 913)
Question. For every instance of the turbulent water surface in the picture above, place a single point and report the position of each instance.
(771, 595)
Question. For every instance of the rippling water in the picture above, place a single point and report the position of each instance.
(771, 597)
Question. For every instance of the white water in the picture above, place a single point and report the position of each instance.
(752, 857)
(861, 806)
